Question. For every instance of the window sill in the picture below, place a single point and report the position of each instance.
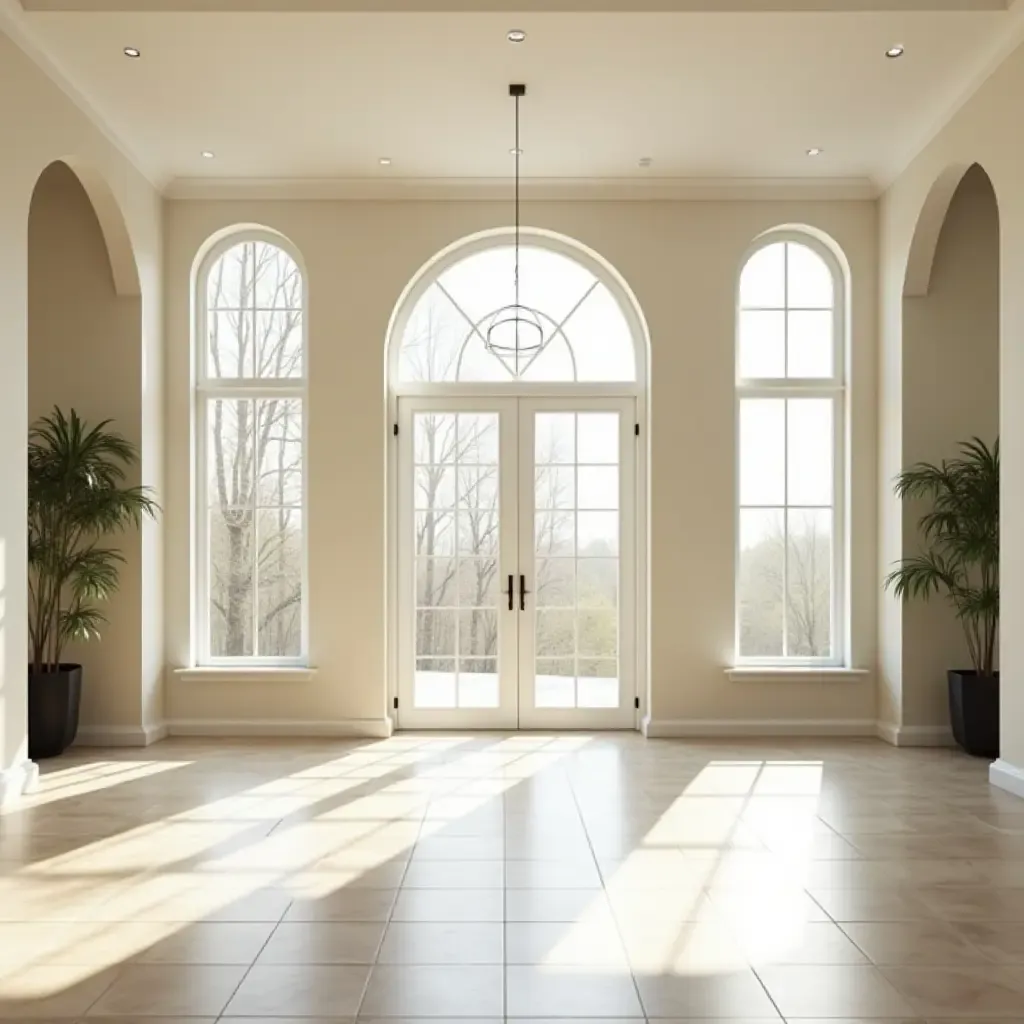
(242, 674)
(794, 674)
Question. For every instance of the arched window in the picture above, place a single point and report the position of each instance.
(250, 376)
(790, 388)
(582, 332)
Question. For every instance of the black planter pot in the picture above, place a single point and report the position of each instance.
(53, 702)
(974, 712)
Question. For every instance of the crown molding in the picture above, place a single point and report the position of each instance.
(537, 189)
(16, 27)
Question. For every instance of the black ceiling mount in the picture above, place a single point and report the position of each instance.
(517, 90)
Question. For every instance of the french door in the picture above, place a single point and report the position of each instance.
(516, 563)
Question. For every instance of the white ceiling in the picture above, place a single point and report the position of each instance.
(707, 96)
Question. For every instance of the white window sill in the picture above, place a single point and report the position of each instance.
(243, 674)
(794, 674)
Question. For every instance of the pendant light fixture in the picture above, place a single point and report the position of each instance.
(514, 333)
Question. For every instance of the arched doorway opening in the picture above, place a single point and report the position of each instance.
(517, 564)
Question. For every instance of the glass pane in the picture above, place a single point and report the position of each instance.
(230, 452)
(278, 281)
(280, 451)
(555, 531)
(553, 363)
(598, 683)
(229, 284)
(599, 438)
(556, 633)
(598, 487)
(478, 582)
(597, 582)
(809, 353)
(434, 685)
(809, 439)
(435, 533)
(279, 343)
(478, 438)
(809, 278)
(434, 438)
(230, 344)
(478, 634)
(601, 340)
(598, 633)
(598, 533)
(556, 487)
(433, 339)
(434, 487)
(554, 438)
(761, 570)
(478, 683)
(762, 354)
(556, 583)
(478, 531)
(556, 683)
(279, 583)
(230, 567)
(809, 583)
(762, 451)
(478, 488)
(435, 635)
(763, 281)
(436, 582)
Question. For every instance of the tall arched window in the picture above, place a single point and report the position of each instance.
(790, 388)
(250, 377)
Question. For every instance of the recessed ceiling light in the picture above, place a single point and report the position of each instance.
(385, 161)
(895, 51)
(644, 161)
(815, 151)
(515, 152)
(207, 154)
(516, 35)
(133, 52)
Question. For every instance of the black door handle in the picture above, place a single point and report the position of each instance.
(510, 592)
(522, 593)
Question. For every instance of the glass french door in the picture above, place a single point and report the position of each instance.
(516, 563)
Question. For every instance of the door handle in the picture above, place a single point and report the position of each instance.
(522, 593)
(510, 592)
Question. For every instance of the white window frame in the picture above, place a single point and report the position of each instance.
(207, 389)
(835, 390)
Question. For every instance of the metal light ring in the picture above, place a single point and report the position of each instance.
(530, 320)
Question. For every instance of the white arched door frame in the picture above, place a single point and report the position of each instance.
(634, 393)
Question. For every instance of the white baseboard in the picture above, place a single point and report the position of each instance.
(732, 728)
(17, 780)
(915, 735)
(1007, 776)
(371, 728)
(120, 735)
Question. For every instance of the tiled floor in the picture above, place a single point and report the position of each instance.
(525, 877)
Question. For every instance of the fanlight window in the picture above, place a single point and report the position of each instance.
(584, 335)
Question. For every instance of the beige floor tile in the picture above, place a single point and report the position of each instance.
(566, 905)
(323, 942)
(206, 943)
(913, 943)
(833, 992)
(799, 943)
(573, 945)
(555, 991)
(967, 992)
(369, 905)
(52, 991)
(730, 994)
(957, 903)
(538, 874)
(434, 992)
(455, 874)
(450, 905)
(872, 905)
(299, 990)
(436, 944)
(169, 990)
(1001, 942)
(440, 847)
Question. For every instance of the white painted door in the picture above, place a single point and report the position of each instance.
(516, 563)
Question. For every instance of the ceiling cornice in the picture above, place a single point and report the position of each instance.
(536, 189)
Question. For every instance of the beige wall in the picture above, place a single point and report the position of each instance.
(950, 393)
(681, 260)
(85, 354)
(39, 124)
(985, 131)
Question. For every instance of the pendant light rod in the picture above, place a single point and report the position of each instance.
(517, 92)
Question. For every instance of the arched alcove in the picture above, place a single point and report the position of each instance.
(950, 392)
(85, 353)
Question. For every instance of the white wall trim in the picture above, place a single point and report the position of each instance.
(1007, 776)
(554, 189)
(120, 735)
(795, 674)
(18, 780)
(915, 735)
(725, 728)
(376, 728)
(245, 674)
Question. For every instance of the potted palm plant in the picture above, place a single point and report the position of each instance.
(76, 496)
(960, 557)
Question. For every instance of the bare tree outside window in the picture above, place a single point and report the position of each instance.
(252, 395)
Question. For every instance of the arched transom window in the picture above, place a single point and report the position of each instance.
(583, 334)
(250, 578)
(790, 388)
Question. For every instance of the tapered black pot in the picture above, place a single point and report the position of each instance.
(53, 702)
(974, 712)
